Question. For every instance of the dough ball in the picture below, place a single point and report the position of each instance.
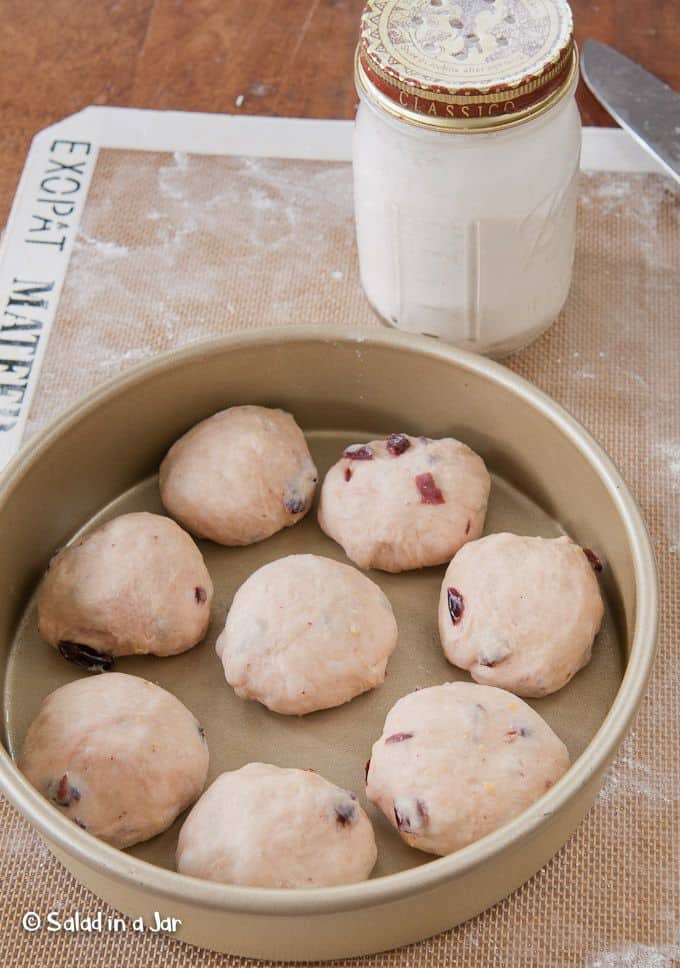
(136, 585)
(521, 613)
(264, 826)
(457, 761)
(405, 502)
(239, 476)
(306, 633)
(120, 756)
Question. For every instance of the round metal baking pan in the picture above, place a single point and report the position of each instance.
(549, 476)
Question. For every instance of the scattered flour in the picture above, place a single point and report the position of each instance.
(612, 193)
(168, 183)
(637, 956)
(101, 246)
(630, 776)
(613, 197)
(609, 192)
(669, 451)
(257, 89)
(168, 243)
(669, 455)
(24, 839)
(119, 360)
(181, 160)
(635, 377)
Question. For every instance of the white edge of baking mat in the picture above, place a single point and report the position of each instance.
(52, 192)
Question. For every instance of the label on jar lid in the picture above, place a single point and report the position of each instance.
(477, 60)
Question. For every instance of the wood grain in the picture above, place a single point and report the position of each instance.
(269, 57)
(56, 57)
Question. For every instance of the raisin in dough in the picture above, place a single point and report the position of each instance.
(239, 476)
(520, 612)
(457, 761)
(405, 502)
(264, 826)
(120, 756)
(306, 633)
(136, 585)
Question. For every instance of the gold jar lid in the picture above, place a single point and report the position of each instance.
(468, 65)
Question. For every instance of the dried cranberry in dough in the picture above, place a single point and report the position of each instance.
(239, 476)
(120, 756)
(475, 758)
(136, 585)
(532, 608)
(404, 502)
(264, 826)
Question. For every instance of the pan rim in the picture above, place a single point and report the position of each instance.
(112, 863)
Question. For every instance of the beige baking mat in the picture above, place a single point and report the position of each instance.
(173, 248)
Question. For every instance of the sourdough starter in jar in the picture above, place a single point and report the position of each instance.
(466, 157)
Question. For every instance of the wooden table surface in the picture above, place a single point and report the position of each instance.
(285, 57)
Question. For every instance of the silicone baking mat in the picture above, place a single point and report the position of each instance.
(183, 227)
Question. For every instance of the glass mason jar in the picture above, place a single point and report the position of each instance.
(466, 157)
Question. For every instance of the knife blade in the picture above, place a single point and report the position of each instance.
(642, 104)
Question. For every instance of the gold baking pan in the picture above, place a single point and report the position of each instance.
(549, 476)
